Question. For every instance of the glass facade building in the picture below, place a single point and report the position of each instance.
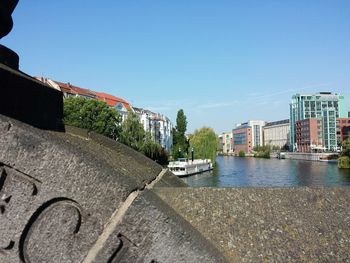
(323, 105)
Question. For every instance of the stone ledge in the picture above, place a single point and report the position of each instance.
(63, 195)
(269, 224)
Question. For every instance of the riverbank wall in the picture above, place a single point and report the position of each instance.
(268, 224)
(307, 156)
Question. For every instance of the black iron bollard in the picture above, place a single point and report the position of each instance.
(7, 56)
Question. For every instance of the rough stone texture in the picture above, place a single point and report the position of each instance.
(269, 224)
(62, 193)
(127, 162)
(170, 180)
(153, 232)
(29, 100)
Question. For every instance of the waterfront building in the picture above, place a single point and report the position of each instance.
(276, 133)
(309, 136)
(343, 129)
(227, 143)
(242, 139)
(324, 105)
(256, 131)
(159, 126)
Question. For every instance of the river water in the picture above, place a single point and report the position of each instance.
(257, 172)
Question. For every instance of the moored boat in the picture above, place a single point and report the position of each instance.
(184, 167)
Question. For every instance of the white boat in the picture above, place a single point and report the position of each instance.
(184, 167)
(281, 155)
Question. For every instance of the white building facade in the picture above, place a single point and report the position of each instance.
(277, 133)
(227, 143)
(159, 126)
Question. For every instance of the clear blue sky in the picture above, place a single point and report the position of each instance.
(223, 62)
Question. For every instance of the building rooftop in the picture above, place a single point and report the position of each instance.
(111, 100)
(69, 88)
(244, 125)
(273, 123)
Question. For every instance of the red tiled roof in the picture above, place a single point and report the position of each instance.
(111, 100)
(67, 87)
(101, 96)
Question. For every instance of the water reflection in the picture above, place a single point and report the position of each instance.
(255, 172)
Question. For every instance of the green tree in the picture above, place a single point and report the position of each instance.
(241, 153)
(92, 115)
(154, 150)
(204, 143)
(132, 133)
(262, 151)
(344, 159)
(181, 122)
(346, 147)
(180, 142)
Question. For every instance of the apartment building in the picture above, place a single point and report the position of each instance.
(159, 126)
(343, 129)
(309, 135)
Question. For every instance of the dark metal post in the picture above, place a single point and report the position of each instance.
(7, 56)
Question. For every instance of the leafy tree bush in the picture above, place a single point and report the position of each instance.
(276, 148)
(344, 162)
(133, 134)
(262, 151)
(241, 153)
(344, 159)
(346, 147)
(204, 143)
(154, 150)
(92, 115)
(96, 116)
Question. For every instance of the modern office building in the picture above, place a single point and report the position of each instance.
(324, 105)
(276, 133)
(256, 130)
(242, 139)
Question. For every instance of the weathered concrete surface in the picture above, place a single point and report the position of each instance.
(269, 224)
(80, 197)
